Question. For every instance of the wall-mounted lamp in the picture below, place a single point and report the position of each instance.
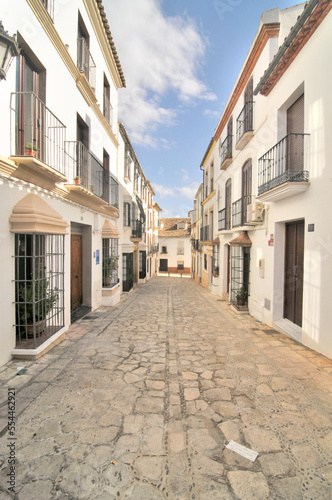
(8, 50)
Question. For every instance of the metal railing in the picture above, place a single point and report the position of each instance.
(137, 229)
(84, 165)
(154, 248)
(239, 211)
(244, 122)
(85, 62)
(36, 131)
(206, 233)
(49, 6)
(284, 162)
(225, 150)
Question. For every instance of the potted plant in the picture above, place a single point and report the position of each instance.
(31, 150)
(241, 296)
(228, 154)
(91, 188)
(77, 180)
(110, 265)
(35, 302)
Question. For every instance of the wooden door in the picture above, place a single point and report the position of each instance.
(295, 125)
(163, 265)
(228, 267)
(294, 254)
(127, 272)
(76, 271)
(246, 189)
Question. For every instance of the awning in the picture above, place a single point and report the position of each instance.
(109, 231)
(241, 241)
(33, 215)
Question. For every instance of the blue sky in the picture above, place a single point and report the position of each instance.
(180, 59)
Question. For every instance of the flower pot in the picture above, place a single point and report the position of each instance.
(28, 152)
(241, 301)
(77, 182)
(40, 327)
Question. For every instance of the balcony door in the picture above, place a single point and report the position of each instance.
(28, 110)
(295, 125)
(82, 153)
(294, 255)
(228, 203)
(246, 189)
(127, 271)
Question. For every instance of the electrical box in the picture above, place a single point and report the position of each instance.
(255, 212)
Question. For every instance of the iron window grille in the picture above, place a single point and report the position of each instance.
(85, 62)
(244, 122)
(163, 249)
(126, 214)
(215, 260)
(39, 288)
(110, 262)
(240, 270)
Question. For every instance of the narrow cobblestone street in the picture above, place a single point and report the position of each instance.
(140, 401)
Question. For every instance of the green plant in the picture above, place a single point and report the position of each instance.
(110, 264)
(76, 178)
(35, 299)
(242, 293)
(30, 146)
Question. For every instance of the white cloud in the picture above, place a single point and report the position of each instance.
(185, 191)
(159, 55)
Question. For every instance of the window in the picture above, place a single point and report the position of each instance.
(110, 262)
(106, 176)
(114, 192)
(163, 249)
(136, 178)
(228, 203)
(49, 6)
(127, 165)
(107, 107)
(85, 63)
(180, 265)
(39, 288)
(246, 189)
(211, 178)
(205, 262)
(181, 225)
(126, 213)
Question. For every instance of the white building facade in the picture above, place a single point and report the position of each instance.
(272, 202)
(61, 180)
(174, 245)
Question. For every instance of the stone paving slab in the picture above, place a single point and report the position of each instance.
(140, 400)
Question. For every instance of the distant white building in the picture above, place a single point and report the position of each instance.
(265, 243)
(174, 245)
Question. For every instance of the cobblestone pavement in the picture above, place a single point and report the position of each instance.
(140, 400)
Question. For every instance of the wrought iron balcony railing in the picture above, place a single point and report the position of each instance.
(154, 248)
(114, 193)
(244, 122)
(36, 131)
(239, 211)
(284, 162)
(137, 229)
(225, 150)
(89, 170)
(206, 233)
(85, 62)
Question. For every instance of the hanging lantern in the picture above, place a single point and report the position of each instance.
(8, 50)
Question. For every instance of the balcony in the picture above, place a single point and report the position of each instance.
(224, 219)
(239, 211)
(206, 233)
(244, 125)
(225, 152)
(136, 231)
(154, 248)
(281, 170)
(37, 139)
(85, 62)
